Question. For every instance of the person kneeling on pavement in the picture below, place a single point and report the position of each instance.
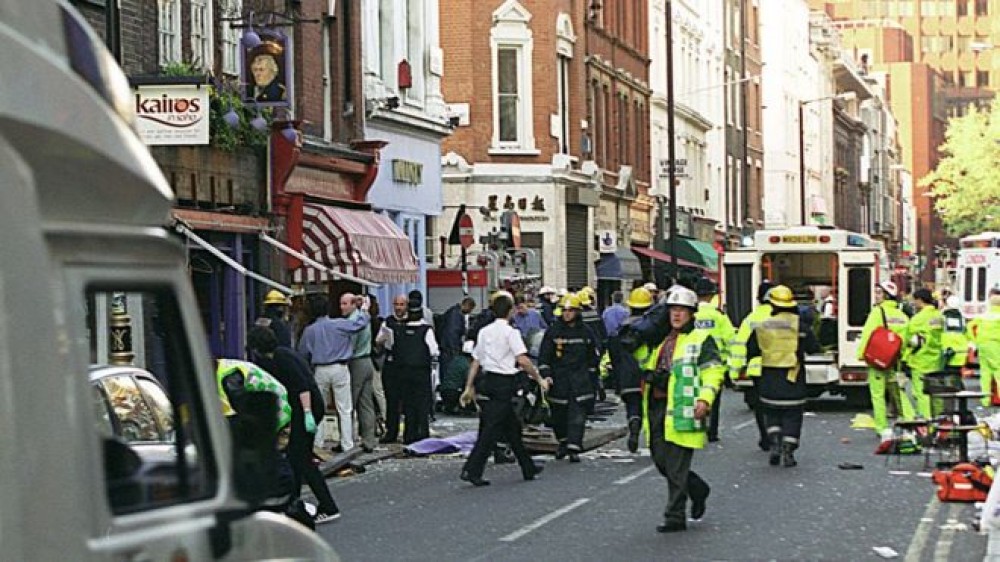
(685, 375)
(568, 360)
(782, 342)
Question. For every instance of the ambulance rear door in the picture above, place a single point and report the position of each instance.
(740, 277)
(856, 281)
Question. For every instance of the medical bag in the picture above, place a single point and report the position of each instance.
(964, 482)
(883, 347)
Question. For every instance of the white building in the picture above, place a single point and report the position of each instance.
(794, 75)
(403, 66)
(698, 101)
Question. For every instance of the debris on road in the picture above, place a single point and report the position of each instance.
(885, 552)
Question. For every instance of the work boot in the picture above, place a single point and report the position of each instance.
(775, 457)
(787, 455)
(561, 452)
(574, 456)
(634, 428)
(503, 455)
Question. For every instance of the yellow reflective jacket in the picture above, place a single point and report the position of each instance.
(895, 320)
(926, 327)
(738, 349)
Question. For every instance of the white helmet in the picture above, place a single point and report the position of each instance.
(682, 296)
(546, 291)
(468, 346)
(952, 302)
(651, 287)
(890, 288)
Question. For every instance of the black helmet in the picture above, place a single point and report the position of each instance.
(762, 290)
(705, 287)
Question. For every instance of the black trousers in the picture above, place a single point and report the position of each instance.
(786, 422)
(300, 447)
(497, 422)
(633, 404)
(568, 423)
(392, 385)
(415, 387)
(674, 463)
(713, 418)
(753, 400)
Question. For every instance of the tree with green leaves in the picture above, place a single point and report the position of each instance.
(966, 183)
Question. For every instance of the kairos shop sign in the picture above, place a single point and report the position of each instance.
(172, 114)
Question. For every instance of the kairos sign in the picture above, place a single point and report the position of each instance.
(172, 114)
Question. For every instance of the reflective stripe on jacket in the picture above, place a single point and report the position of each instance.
(927, 326)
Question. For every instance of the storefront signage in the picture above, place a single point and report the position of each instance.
(172, 114)
(528, 210)
(607, 242)
(405, 171)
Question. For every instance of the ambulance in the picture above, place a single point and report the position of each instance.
(86, 259)
(835, 272)
(978, 267)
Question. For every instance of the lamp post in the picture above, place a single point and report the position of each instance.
(802, 153)
(671, 149)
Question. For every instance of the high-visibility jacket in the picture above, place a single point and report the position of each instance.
(923, 341)
(710, 318)
(954, 341)
(696, 352)
(778, 338)
(738, 349)
(894, 318)
(985, 329)
(255, 379)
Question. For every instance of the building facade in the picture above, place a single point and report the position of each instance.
(515, 83)
(403, 65)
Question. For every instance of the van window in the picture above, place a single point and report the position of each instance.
(968, 284)
(147, 411)
(739, 292)
(981, 284)
(859, 290)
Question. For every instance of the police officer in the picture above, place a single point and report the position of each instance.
(414, 353)
(567, 361)
(738, 361)
(923, 347)
(276, 316)
(687, 373)
(781, 342)
(710, 318)
(985, 332)
(498, 353)
(885, 313)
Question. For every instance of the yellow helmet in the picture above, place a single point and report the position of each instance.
(781, 297)
(589, 290)
(570, 301)
(584, 297)
(640, 297)
(275, 296)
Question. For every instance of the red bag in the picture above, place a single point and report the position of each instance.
(883, 347)
(965, 482)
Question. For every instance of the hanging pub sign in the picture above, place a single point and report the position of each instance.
(172, 114)
(266, 72)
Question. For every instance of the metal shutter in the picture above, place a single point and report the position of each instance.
(577, 246)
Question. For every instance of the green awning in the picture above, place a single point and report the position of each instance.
(696, 251)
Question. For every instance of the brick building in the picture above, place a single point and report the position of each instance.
(515, 83)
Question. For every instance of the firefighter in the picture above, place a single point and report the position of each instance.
(739, 367)
(592, 319)
(923, 347)
(687, 373)
(275, 316)
(710, 318)
(627, 365)
(781, 343)
(886, 313)
(567, 361)
(985, 332)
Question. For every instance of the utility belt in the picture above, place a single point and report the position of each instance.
(659, 381)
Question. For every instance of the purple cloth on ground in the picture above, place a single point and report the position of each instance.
(461, 443)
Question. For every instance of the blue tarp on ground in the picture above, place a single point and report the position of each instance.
(461, 443)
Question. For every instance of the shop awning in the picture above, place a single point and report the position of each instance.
(696, 251)
(313, 263)
(230, 261)
(665, 258)
(363, 244)
(619, 266)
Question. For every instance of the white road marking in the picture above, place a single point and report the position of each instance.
(740, 426)
(543, 520)
(922, 531)
(943, 548)
(634, 475)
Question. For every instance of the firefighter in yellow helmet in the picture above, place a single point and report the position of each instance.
(781, 342)
(627, 366)
(275, 316)
(592, 319)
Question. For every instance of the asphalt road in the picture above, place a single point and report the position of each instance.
(607, 507)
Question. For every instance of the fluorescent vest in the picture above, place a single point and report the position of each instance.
(778, 338)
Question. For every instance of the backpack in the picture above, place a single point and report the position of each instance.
(964, 482)
(883, 347)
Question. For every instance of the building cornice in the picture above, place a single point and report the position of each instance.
(405, 118)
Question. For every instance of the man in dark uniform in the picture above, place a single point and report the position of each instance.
(567, 361)
(275, 316)
(781, 342)
(414, 350)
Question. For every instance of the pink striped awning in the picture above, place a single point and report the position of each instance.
(364, 244)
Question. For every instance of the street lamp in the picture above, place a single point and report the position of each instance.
(802, 152)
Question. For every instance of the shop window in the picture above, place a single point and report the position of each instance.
(982, 79)
(982, 7)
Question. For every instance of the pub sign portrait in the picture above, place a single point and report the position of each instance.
(264, 72)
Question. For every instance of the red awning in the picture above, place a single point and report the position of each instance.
(665, 258)
(360, 243)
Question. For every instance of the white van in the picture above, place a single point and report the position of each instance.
(978, 272)
(809, 259)
(83, 253)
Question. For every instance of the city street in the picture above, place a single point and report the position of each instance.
(608, 508)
